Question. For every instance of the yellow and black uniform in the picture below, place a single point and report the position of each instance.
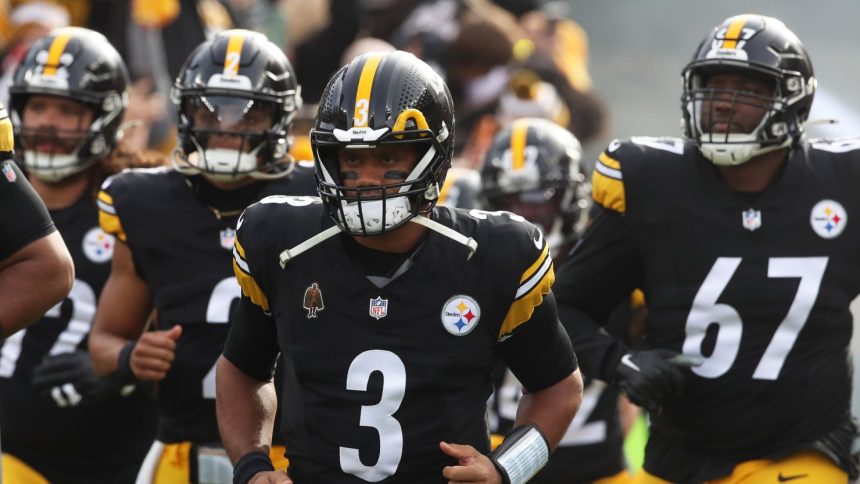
(180, 234)
(379, 370)
(757, 285)
(74, 432)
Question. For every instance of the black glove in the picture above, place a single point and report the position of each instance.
(68, 380)
(647, 377)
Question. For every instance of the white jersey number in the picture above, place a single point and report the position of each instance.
(379, 416)
(83, 300)
(218, 312)
(707, 311)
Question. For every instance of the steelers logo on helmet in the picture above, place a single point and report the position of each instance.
(460, 315)
(828, 218)
(716, 118)
(382, 100)
(78, 70)
(236, 97)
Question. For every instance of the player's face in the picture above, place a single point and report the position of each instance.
(54, 124)
(386, 164)
(234, 123)
(537, 206)
(740, 102)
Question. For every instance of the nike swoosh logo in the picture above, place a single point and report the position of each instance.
(539, 239)
(626, 361)
(782, 478)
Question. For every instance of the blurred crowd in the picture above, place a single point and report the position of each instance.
(502, 59)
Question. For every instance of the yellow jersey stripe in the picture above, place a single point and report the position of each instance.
(250, 287)
(734, 32)
(234, 55)
(7, 139)
(609, 161)
(537, 263)
(105, 197)
(519, 135)
(608, 191)
(362, 94)
(538, 276)
(521, 309)
(238, 247)
(58, 45)
(110, 223)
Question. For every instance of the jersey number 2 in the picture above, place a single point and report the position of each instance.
(706, 311)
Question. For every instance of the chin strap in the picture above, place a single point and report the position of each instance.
(330, 232)
(447, 232)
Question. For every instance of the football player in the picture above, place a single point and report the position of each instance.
(60, 422)
(235, 97)
(390, 313)
(737, 235)
(533, 169)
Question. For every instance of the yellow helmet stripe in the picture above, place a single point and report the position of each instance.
(519, 134)
(233, 55)
(733, 34)
(362, 95)
(58, 45)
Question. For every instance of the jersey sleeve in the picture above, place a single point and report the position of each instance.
(607, 183)
(109, 217)
(25, 217)
(530, 263)
(246, 235)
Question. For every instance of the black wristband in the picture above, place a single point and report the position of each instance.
(124, 365)
(249, 465)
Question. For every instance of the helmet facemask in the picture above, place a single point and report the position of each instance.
(229, 138)
(53, 153)
(737, 144)
(372, 210)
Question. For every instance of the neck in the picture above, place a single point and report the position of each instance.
(400, 241)
(755, 175)
(64, 193)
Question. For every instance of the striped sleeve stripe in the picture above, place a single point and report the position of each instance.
(106, 208)
(246, 281)
(609, 166)
(522, 309)
(536, 276)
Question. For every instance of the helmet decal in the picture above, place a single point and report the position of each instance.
(362, 93)
(233, 57)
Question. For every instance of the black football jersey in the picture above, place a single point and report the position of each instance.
(589, 450)
(757, 286)
(181, 248)
(89, 442)
(376, 376)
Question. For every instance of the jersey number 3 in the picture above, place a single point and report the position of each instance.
(706, 311)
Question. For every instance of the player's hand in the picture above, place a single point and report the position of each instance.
(272, 477)
(154, 352)
(472, 466)
(648, 377)
(68, 380)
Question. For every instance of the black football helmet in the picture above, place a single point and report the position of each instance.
(225, 84)
(377, 99)
(77, 64)
(761, 47)
(533, 169)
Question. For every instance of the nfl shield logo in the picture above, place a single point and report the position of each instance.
(9, 173)
(228, 236)
(751, 219)
(378, 308)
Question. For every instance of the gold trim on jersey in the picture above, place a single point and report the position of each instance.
(7, 139)
(246, 281)
(607, 186)
(362, 95)
(519, 135)
(17, 471)
(733, 33)
(535, 282)
(108, 219)
(58, 45)
(233, 57)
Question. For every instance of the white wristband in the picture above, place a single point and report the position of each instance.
(523, 453)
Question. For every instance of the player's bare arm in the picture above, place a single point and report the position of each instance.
(121, 317)
(32, 280)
